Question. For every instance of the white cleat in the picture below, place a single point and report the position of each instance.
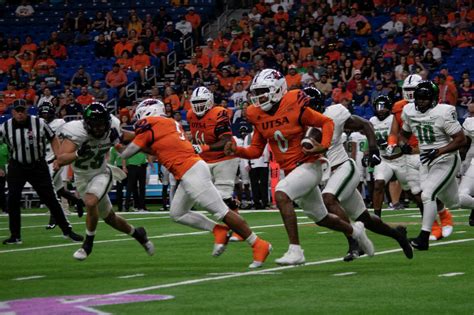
(80, 254)
(364, 242)
(218, 249)
(447, 230)
(292, 257)
(256, 264)
(433, 238)
(149, 248)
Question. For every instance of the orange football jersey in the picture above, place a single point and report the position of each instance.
(208, 129)
(285, 129)
(397, 112)
(168, 143)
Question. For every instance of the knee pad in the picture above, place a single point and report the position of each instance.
(231, 203)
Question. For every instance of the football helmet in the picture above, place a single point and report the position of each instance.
(426, 96)
(46, 111)
(267, 88)
(201, 100)
(409, 86)
(316, 98)
(383, 107)
(149, 108)
(97, 120)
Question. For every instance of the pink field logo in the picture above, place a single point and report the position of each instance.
(73, 305)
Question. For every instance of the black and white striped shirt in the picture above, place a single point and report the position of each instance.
(26, 141)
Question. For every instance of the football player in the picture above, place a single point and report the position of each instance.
(439, 136)
(466, 187)
(340, 195)
(211, 130)
(412, 159)
(46, 111)
(280, 118)
(85, 144)
(165, 139)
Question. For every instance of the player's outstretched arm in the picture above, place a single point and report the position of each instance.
(254, 151)
(129, 150)
(457, 142)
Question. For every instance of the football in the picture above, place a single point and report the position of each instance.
(311, 133)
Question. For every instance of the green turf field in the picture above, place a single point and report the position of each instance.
(440, 281)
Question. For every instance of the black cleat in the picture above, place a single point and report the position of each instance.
(50, 226)
(12, 241)
(74, 236)
(403, 241)
(471, 218)
(419, 244)
(351, 255)
(141, 237)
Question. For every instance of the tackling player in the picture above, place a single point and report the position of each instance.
(466, 187)
(280, 118)
(165, 138)
(85, 144)
(440, 136)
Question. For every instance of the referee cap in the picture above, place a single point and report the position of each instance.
(19, 103)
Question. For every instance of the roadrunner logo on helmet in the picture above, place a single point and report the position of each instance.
(149, 108)
(409, 86)
(267, 88)
(201, 100)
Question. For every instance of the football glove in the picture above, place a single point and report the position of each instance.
(390, 148)
(374, 157)
(365, 161)
(406, 148)
(382, 143)
(428, 156)
(200, 148)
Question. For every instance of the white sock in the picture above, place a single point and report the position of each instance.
(295, 247)
(429, 215)
(132, 231)
(251, 239)
(90, 233)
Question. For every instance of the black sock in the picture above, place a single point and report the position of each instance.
(352, 243)
(424, 236)
(378, 212)
(88, 243)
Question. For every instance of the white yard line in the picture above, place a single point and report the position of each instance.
(28, 278)
(257, 272)
(132, 276)
(343, 274)
(451, 274)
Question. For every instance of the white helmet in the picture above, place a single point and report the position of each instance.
(201, 100)
(149, 108)
(409, 86)
(269, 84)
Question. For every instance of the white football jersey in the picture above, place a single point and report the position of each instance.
(468, 127)
(434, 128)
(55, 125)
(360, 140)
(93, 162)
(339, 114)
(382, 129)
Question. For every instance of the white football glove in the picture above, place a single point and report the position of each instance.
(389, 150)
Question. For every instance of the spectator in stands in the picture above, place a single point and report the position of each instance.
(103, 47)
(140, 62)
(429, 62)
(340, 93)
(226, 81)
(363, 28)
(98, 92)
(26, 92)
(354, 18)
(195, 20)
(357, 79)
(43, 63)
(58, 51)
(309, 77)
(434, 50)
(466, 97)
(161, 19)
(404, 47)
(81, 78)
(401, 67)
(171, 33)
(24, 9)
(159, 49)
(324, 85)
(110, 23)
(360, 97)
(45, 96)
(392, 27)
(117, 79)
(389, 47)
(52, 79)
(172, 98)
(98, 22)
(81, 23)
(29, 45)
(71, 109)
(10, 94)
(7, 62)
(348, 71)
(378, 91)
(239, 96)
(85, 98)
(448, 93)
(123, 44)
(135, 24)
(184, 26)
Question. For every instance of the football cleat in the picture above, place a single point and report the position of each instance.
(50, 226)
(436, 232)
(221, 238)
(236, 238)
(80, 254)
(12, 241)
(446, 222)
(364, 242)
(74, 236)
(403, 241)
(419, 244)
(353, 254)
(261, 249)
(292, 257)
(143, 240)
(471, 218)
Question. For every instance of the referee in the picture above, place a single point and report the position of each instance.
(26, 138)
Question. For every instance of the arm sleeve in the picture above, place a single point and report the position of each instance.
(222, 124)
(313, 118)
(130, 150)
(255, 150)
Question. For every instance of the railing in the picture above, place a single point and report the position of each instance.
(112, 106)
(131, 90)
(150, 74)
(171, 59)
(188, 44)
(206, 30)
